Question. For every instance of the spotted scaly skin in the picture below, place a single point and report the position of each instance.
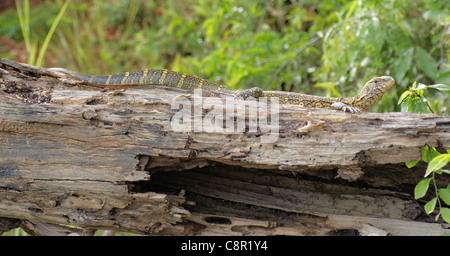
(370, 94)
(152, 77)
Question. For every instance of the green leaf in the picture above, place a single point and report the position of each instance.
(428, 153)
(445, 213)
(425, 153)
(412, 163)
(405, 106)
(437, 163)
(429, 207)
(404, 95)
(421, 87)
(440, 87)
(419, 90)
(425, 62)
(421, 188)
(419, 105)
(444, 194)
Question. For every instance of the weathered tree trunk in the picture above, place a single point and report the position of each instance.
(101, 159)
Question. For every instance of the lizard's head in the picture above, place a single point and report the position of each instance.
(372, 92)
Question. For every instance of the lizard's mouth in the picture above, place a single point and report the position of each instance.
(389, 81)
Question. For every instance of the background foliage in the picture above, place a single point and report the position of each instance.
(329, 47)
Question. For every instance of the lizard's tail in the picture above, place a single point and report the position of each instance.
(150, 77)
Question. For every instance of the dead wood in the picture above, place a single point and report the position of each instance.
(101, 159)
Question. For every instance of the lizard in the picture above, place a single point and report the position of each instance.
(370, 94)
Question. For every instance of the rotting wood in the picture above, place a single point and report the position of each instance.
(79, 155)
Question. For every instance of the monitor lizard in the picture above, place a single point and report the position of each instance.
(370, 94)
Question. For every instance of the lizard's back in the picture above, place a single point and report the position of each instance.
(154, 77)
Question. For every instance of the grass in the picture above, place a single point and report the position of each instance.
(23, 12)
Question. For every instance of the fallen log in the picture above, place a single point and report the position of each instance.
(136, 160)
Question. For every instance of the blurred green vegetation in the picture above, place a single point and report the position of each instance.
(329, 47)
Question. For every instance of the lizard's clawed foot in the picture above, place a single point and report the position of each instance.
(344, 107)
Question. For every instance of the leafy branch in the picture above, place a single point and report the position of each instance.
(412, 100)
(436, 161)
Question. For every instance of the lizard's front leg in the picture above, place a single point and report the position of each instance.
(345, 107)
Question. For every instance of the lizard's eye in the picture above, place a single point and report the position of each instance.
(376, 81)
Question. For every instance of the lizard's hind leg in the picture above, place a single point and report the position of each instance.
(254, 92)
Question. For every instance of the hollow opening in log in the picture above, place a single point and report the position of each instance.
(213, 188)
(344, 232)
